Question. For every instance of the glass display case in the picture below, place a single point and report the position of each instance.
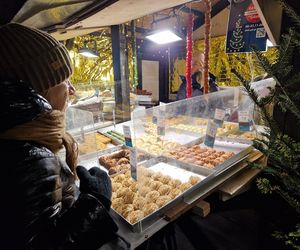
(178, 148)
(173, 151)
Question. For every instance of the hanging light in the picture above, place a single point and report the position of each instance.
(164, 36)
(92, 53)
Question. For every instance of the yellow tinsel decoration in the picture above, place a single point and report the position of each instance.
(222, 63)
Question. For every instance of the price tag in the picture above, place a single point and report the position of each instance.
(236, 97)
(211, 132)
(219, 117)
(161, 124)
(244, 123)
(133, 163)
(127, 135)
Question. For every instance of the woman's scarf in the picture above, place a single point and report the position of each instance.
(47, 130)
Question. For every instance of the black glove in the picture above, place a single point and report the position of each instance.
(95, 182)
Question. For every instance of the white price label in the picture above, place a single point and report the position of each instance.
(126, 131)
(243, 116)
(236, 97)
(127, 136)
(133, 164)
(211, 129)
(219, 114)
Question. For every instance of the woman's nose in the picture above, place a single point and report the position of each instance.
(72, 89)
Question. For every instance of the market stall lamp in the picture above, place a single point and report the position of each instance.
(85, 51)
(164, 37)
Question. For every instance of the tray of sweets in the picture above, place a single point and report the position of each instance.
(224, 154)
(162, 183)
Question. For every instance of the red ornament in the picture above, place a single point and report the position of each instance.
(188, 65)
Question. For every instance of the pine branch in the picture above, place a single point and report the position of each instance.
(290, 12)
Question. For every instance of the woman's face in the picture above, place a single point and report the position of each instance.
(58, 96)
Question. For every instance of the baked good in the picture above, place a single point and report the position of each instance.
(127, 208)
(154, 185)
(149, 208)
(152, 196)
(165, 179)
(139, 202)
(185, 186)
(135, 216)
(194, 179)
(162, 200)
(128, 197)
(164, 189)
(174, 192)
(174, 183)
(116, 186)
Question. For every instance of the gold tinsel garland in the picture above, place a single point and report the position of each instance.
(222, 63)
(92, 71)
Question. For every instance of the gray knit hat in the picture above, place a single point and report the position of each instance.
(33, 56)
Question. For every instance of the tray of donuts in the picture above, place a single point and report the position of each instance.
(162, 183)
(222, 155)
(117, 160)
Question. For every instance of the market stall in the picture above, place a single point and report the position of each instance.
(169, 157)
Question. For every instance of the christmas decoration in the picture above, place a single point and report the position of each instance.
(236, 41)
(221, 63)
(134, 55)
(98, 71)
(189, 46)
(207, 45)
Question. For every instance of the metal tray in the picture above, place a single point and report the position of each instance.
(241, 151)
(151, 218)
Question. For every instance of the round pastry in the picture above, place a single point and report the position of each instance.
(122, 191)
(143, 190)
(152, 196)
(162, 200)
(156, 176)
(123, 161)
(175, 183)
(174, 192)
(128, 208)
(149, 208)
(135, 216)
(113, 196)
(128, 197)
(154, 185)
(139, 202)
(165, 179)
(117, 202)
(185, 186)
(116, 186)
(119, 178)
(164, 189)
(194, 179)
(145, 181)
(134, 187)
(127, 182)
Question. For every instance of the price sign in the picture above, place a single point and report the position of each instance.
(236, 97)
(244, 123)
(161, 124)
(133, 163)
(219, 117)
(211, 132)
(127, 135)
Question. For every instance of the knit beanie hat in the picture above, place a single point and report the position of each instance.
(33, 56)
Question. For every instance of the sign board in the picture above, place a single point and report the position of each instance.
(245, 28)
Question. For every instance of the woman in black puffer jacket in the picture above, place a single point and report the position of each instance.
(40, 207)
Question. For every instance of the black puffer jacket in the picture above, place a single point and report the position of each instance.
(38, 208)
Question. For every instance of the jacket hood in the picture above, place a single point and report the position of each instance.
(19, 103)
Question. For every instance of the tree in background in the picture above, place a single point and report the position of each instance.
(282, 173)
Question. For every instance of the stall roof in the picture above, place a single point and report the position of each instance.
(65, 19)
